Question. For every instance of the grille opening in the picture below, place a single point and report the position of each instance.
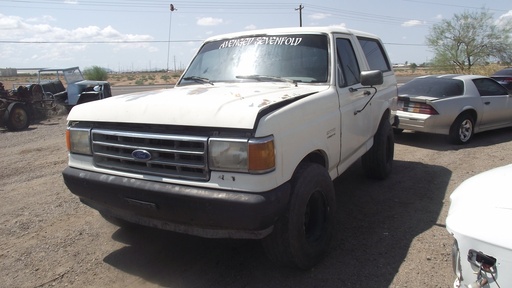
(173, 156)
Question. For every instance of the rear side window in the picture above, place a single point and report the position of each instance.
(374, 54)
(434, 87)
(488, 87)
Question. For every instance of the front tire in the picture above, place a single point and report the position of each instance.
(462, 129)
(303, 235)
(378, 161)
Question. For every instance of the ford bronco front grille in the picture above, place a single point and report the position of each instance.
(173, 156)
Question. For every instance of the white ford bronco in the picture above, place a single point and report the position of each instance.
(246, 144)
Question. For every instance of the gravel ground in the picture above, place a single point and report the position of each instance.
(391, 233)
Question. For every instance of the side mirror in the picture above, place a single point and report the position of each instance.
(372, 78)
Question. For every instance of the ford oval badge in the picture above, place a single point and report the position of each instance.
(140, 154)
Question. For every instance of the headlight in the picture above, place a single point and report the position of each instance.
(78, 140)
(456, 260)
(242, 155)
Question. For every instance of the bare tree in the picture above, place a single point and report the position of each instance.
(468, 39)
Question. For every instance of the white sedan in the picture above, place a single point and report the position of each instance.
(453, 105)
(480, 219)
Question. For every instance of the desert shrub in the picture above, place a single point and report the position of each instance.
(95, 73)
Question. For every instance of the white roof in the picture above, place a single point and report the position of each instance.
(293, 30)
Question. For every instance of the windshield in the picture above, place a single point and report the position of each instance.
(73, 75)
(290, 58)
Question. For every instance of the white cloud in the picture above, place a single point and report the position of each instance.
(18, 29)
(505, 19)
(9, 23)
(439, 17)
(318, 16)
(250, 27)
(339, 25)
(412, 23)
(209, 21)
(43, 19)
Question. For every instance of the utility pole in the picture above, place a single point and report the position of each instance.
(300, 13)
(172, 9)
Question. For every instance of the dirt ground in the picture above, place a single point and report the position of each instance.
(391, 233)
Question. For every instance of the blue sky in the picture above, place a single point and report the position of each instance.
(133, 35)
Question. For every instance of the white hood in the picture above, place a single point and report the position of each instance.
(234, 106)
(481, 207)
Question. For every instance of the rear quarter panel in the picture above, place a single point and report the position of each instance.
(451, 107)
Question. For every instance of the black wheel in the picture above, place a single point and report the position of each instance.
(462, 129)
(303, 235)
(378, 161)
(17, 118)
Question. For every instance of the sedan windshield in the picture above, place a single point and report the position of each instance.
(434, 87)
(270, 58)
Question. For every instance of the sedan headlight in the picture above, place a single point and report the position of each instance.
(456, 260)
(254, 155)
(78, 140)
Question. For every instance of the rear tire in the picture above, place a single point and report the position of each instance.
(462, 129)
(17, 118)
(378, 161)
(303, 235)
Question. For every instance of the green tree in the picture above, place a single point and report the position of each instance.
(95, 73)
(413, 67)
(469, 39)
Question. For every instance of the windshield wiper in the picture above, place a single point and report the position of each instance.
(267, 78)
(198, 79)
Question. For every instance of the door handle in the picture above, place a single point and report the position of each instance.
(367, 93)
(487, 103)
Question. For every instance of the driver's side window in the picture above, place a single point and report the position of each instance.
(348, 68)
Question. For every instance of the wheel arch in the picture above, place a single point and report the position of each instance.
(386, 115)
(318, 157)
(471, 111)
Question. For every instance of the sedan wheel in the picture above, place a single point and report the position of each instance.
(462, 129)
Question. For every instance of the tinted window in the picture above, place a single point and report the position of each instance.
(504, 72)
(374, 54)
(435, 87)
(488, 87)
(347, 62)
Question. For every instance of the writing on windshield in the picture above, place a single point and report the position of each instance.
(272, 40)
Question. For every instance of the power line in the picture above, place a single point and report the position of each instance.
(142, 41)
(95, 42)
(453, 5)
(360, 16)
